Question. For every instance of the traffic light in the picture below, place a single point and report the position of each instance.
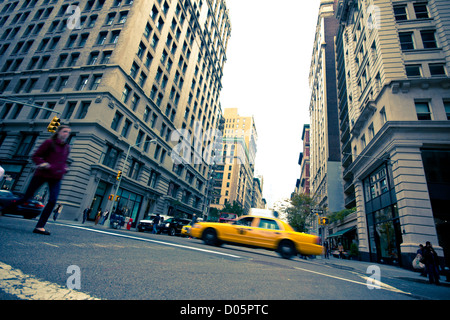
(54, 124)
(119, 174)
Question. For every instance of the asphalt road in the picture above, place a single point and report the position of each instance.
(127, 265)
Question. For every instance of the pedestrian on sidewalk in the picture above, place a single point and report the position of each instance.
(104, 217)
(51, 166)
(156, 223)
(86, 214)
(326, 250)
(431, 261)
(98, 216)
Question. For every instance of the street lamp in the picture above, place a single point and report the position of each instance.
(119, 179)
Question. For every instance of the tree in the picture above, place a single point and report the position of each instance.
(233, 208)
(299, 211)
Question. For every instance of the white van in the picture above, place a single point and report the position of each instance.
(263, 212)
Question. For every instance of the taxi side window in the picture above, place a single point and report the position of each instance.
(268, 224)
(245, 222)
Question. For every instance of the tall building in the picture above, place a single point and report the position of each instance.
(133, 79)
(257, 192)
(302, 185)
(233, 180)
(325, 161)
(393, 61)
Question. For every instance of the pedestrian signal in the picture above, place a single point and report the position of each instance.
(111, 197)
(119, 174)
(324, 221)
(117, 198)
(54, 124)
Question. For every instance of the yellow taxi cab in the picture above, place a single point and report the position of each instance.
(259, 231)
(185, 231)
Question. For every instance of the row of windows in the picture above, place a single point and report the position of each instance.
(423, 109)
(73, 110)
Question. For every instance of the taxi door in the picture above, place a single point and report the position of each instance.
(267, 233)
(240, 231)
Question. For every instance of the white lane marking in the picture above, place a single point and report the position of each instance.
(14, 281)
(153, 241)
(378, 283)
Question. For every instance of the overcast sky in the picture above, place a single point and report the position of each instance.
(266, 75)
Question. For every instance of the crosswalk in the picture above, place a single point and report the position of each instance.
(27, 287)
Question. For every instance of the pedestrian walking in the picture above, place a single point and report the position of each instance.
(431, 261)
(104, 217)
(156, 223)
(57, 211)
(326, 250)
(418, 261)
(98, 216)
(51, 166)
(86, 214)
(341, 251)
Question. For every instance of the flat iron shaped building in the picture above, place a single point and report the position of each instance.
(121, 74)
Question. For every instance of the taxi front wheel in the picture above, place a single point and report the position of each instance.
(286, 249)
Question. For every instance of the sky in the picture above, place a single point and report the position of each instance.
(266, 76)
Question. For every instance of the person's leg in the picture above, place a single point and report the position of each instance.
(54, 187)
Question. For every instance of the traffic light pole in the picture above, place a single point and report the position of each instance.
(29, 105)
(119, 180)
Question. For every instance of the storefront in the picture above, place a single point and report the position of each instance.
(383, 223)
(129, 204)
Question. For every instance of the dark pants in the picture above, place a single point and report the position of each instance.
(433, 273)
(54, 187)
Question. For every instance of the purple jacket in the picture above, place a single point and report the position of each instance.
(56, 154)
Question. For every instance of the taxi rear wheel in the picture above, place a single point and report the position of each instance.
(210, 237)
(286, 249)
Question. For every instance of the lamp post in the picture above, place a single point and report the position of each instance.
(120, 179)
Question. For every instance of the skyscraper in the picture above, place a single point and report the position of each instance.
(133, 79)
(325, 165)
(234, 175)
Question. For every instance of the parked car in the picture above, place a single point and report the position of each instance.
(147, 223)
(29, 210)
(261, 232)
(227, 217)
(173, 226)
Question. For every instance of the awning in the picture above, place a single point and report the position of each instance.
(341, 232)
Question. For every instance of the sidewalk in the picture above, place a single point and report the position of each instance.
(387, 270)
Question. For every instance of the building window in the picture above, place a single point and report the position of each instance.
(82, 83)
(428, 39)
(447, 108)
(96, 81)
(421, 11)
(25, 145)
(413, 70)
(125, 93)
(406, 40)
(116, 120)
(84, 107)
(437, 69)
(110, 157)
(423, 111)
(400, 12)
(126, 128)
